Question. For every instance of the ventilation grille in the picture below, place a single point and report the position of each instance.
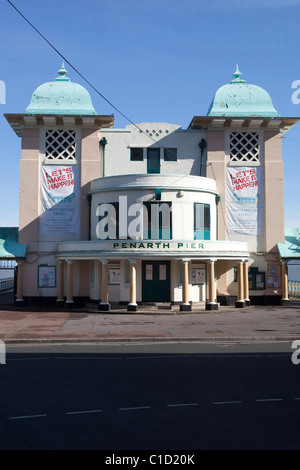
(244, 147)
(60, 146)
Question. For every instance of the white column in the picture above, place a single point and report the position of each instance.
(284, 282)
(185, 306)
(132, 306)
(240, 303)
(211, 304)
(70, 301)
(246, 284)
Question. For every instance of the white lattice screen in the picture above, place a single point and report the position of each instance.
(244, 147)
(60, 146)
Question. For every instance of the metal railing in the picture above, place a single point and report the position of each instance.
(294, 288)
(7, 285)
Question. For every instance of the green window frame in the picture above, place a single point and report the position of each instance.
(158, 220)
(170, 154)
(202, 222)
(136, 154)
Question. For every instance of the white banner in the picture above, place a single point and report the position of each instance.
(245, 200)
(60, 188)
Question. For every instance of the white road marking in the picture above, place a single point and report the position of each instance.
(27, 417)
(172, 405)
(183, 404)
(83, 412)
(262, 400)
(135, 408)
(227, 402)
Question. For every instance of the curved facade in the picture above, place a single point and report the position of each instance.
(151, 212)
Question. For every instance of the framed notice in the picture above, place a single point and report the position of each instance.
(162, 272)
(149, 272)
(114, 274)
(198, 276)
(260, 281)
(273, 276)
(46, 276)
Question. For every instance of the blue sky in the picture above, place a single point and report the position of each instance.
(159, 60)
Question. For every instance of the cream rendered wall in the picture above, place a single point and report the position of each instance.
(274, 205)
(41, 249)
(48, 242)
(263, 248)
(119, 142)
(29, 208)
(216, 169)
(90, 169)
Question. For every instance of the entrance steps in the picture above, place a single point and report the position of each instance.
(158, 306)
(167, 306)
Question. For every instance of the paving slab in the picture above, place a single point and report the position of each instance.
(88, 325)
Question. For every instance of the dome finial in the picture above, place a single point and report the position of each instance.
(237, 76)
(63, 73)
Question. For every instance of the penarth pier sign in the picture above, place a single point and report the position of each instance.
(94, 249)
(158, 245)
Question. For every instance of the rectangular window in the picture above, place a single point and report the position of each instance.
(137, 154)
(201, 221)
(157, 220)
(170, 155)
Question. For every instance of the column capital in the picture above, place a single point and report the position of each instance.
(132, 260)
(213, 260)
(103, 260)
(185, 260)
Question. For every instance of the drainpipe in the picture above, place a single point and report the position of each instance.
(202, 146)
(218, 200)
(103, 142)
(89, 198)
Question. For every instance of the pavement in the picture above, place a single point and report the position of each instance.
(84, 325)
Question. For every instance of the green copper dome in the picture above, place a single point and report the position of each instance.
(240, 99)
(61, 97)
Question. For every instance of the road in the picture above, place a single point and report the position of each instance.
(150, 397)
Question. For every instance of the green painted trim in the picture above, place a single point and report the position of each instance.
(149, 170)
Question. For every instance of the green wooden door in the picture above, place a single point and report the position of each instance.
(156, 281)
